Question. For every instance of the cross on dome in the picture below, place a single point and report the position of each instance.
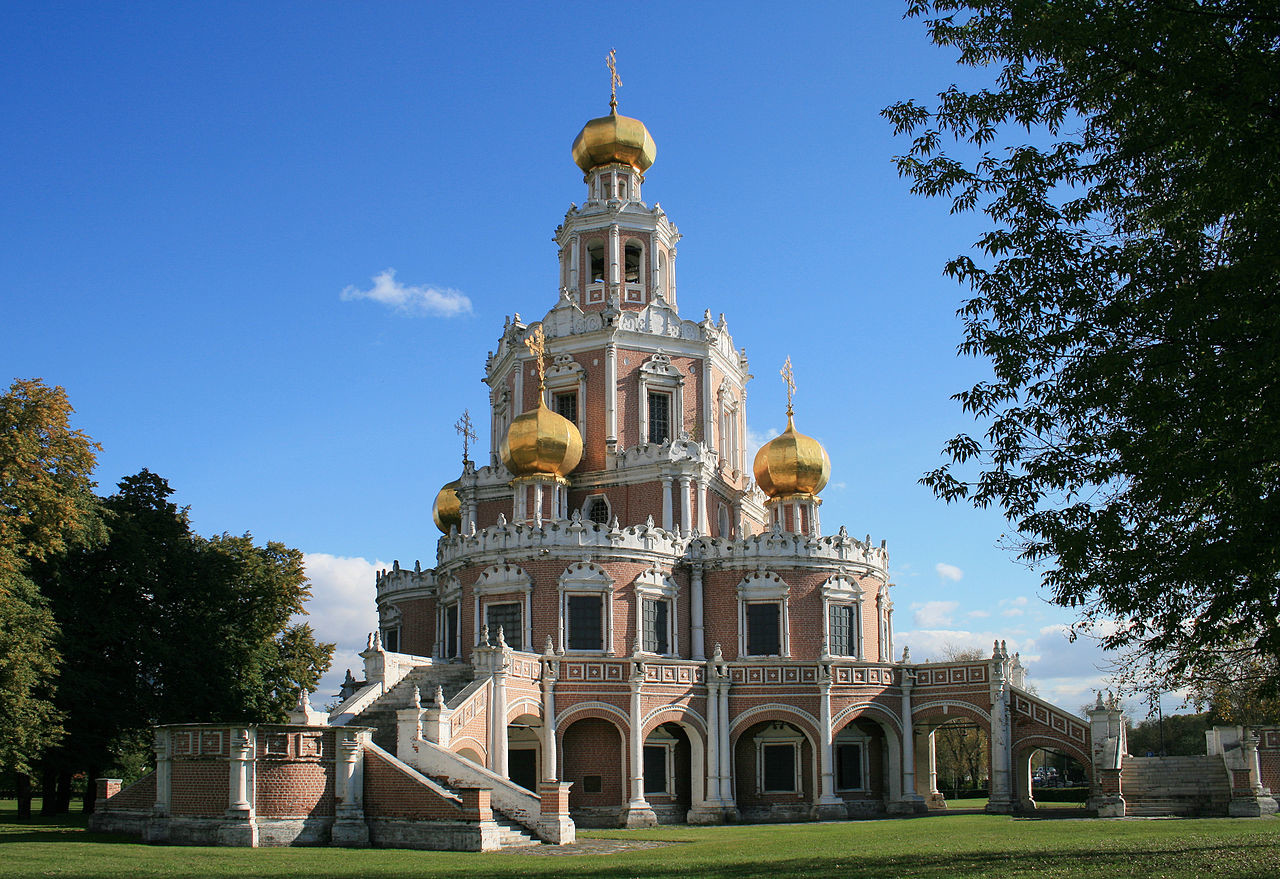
(467, 430)
(614, 80)
(789, 376)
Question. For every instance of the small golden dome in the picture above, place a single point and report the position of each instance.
(614, 138)
(447, 510)
(541, 441)
(792, 464)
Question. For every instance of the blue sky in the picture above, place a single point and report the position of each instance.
(190, 188)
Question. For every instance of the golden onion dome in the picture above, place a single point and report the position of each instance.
(614, 138)
(792, 464)
(447, 510)
(541, 442)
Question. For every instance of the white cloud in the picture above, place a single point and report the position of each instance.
(933, 614)
(342, 610)
(755, 440)
(1013, 607)
(948, 572)
(983, 614)
(411, 299)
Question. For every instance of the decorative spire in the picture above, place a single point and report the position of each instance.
(614, 80)
(536, 342)
(467, 430)
(789, 376)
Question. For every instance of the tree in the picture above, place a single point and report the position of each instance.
(961, 747)
(1127, 297)
(160, 625)
(46, 506)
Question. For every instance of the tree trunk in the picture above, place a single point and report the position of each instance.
(91, 791)
(48, 793)
(24, 795)
(64, 793)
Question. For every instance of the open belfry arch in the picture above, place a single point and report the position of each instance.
(624, 624)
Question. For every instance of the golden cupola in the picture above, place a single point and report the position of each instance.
(791, 469)
(614, 139)
(541, 442)
(792, 464)
(447, 510)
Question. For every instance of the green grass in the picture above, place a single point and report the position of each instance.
(932, 847)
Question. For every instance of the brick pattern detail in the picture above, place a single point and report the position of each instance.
(200, 788)
(390, 792)
(1269, 758)
(139, 795)
(294, 790)
(593, 746)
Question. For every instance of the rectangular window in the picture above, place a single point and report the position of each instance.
(659, 418)
(657, 626)
(566, 405)
(391, 640)
(655, 769)
(780, 768)
(592, 784)
(507, 615)
(584, 618)
(848, 767)
(451, 631)
(841, 620)
(764, 629)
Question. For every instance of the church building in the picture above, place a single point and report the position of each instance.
(628, 621)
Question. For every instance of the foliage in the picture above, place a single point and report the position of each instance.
(937, 847)
(161, 625)
(46, 494)
(1128, 300)
(28, 665)
(1182, 735)
(1234, 693)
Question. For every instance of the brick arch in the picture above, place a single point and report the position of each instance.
(653, 719)
(1051, 743)
(869, 710)
(598, 710)
(797, 717)
(963, 709)
(473, 743)
(526, 705)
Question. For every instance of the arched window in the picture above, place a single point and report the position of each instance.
(632, 256)
(595, 259)
(598, 509)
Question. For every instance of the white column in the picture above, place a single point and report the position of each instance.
(713, 739)
(671, 277)
(686, 520)
(498, 719)
(639, 812)
(708, 410)
(695, 612)
(667, 522)
(829, 805)
(615, 276)
(908, 741)
(550, 767)
(726, 755)
(164, 771)
(611, 394)
(575, 259)
(537, 505)
(704, 521)
(517, 404)
(241, 750)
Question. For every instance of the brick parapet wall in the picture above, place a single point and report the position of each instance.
(392, 792)
(139, 796)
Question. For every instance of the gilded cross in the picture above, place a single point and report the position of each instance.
(536, 342)
(465, 427)
(789, 376)
(614, 80)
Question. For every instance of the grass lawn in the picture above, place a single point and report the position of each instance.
(950, 846)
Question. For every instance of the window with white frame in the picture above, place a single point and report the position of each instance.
(507, 589)
(661, 401)
(450, 620)
(851, 760)
(655, 603)
(778, 759)
(763, 616)
(596, 509)
(507, 616)
(566, 384)
(586, 623)
(729, 420)
(842, 603)
(595, 262)
(659, 763)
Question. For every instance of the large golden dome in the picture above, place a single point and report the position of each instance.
(614, 138)
(792, 464)
(541, 442)
(447, 510)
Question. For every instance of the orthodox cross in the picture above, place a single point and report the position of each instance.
(614, 80)
(789, 376)
(536, 342)
(465, 427)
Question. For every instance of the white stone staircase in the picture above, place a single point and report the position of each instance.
(381, 713)
(1175, 786)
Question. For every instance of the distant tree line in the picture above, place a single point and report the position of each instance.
(115, 616)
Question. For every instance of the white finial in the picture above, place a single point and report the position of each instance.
(417, 697)
(549, 648)
(502, 642)
(439, 697)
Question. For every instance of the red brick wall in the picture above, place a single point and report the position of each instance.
(389, 792)
(417, 626)
(593, 747)
(745, 774)
(294, 790)
(139, 795)
(200, 788)
(1269, 758)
